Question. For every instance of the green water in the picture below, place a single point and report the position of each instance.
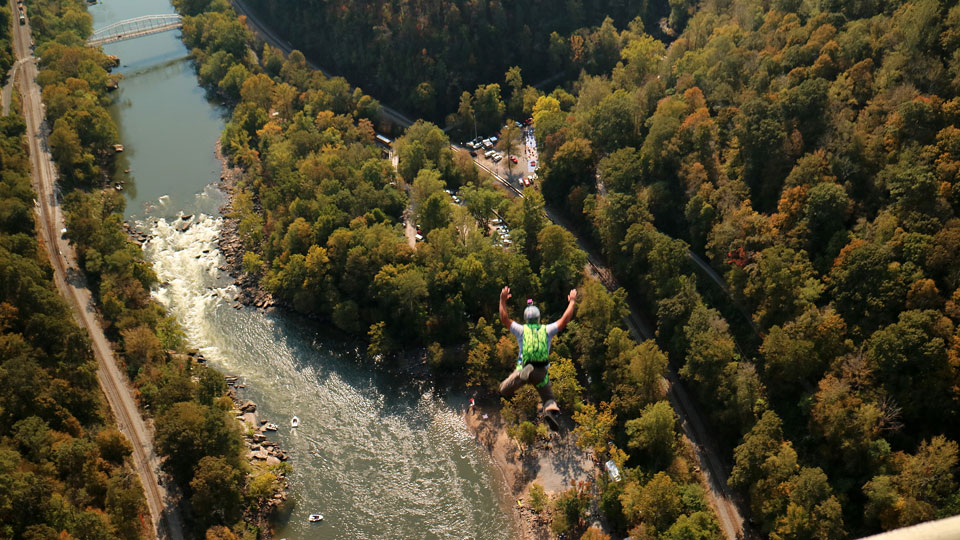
(379, 455)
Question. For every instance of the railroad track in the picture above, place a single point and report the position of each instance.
(69, 280)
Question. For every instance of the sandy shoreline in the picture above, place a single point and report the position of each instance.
(555, 464)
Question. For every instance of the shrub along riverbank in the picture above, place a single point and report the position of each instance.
(195, 431)
(321, 218)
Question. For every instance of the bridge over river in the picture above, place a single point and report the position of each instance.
(134, 28)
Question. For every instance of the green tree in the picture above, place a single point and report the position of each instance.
(566, 386)
(696, 526)
(436, 212)
(571, 165)
(481, 359)
(763, 440)
(656, 503)
(481, 201)
(800, 351)
(113, 445)
(537, 497)
(562, 263)
(569, 509)
(125, 505)
(515, 102)
(594, 427)
(911, 352)
(141, 347)
(217, 492)
(187, 432)
(489, 107)
(620, 170)
(919, 486)
(655, 433)
(813, 510)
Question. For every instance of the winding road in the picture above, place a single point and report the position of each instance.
(70, 281)
(267, 35)
(713, 469)
(714, 472)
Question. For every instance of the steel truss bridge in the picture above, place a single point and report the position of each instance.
(134, 28)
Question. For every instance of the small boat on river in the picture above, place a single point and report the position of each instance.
(315, 518)
(294, 422)
(270, 426)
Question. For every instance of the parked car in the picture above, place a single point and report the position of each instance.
(497, 157)
(514, 159)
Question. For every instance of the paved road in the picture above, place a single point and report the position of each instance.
(401, 119)
(694, 427)
(71, 284)
(720, 282)
(260, 28)
(712, 468)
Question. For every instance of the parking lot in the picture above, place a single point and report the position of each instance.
(518, 168)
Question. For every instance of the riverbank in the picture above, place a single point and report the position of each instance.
(556, 465)
(262, 454)
(230, 243)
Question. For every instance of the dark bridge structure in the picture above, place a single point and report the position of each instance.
(134, 28)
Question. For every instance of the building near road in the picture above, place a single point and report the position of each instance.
(385, 144)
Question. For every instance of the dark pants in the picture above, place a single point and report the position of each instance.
(530, 374)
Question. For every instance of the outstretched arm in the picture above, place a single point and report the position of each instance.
(567, 313)
(504, 318)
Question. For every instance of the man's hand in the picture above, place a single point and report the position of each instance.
(504, 296)
(567, 313)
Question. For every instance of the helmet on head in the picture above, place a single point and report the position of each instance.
(531, 315)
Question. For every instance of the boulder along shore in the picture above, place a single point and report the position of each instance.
(230, 243)
(261, 453)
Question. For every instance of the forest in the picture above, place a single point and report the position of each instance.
(808, 150)
(64, 467)
(321, 216)
(194, 429)
(421, 56)
(813, 150)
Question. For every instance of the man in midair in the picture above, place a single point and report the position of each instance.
(534, 340)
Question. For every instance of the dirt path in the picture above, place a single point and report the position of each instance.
(69, 280)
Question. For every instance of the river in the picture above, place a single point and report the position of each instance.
(378, 455)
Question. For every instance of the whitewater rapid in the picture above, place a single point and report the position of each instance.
(378, 456)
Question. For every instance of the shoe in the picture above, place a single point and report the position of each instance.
(553, 419)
